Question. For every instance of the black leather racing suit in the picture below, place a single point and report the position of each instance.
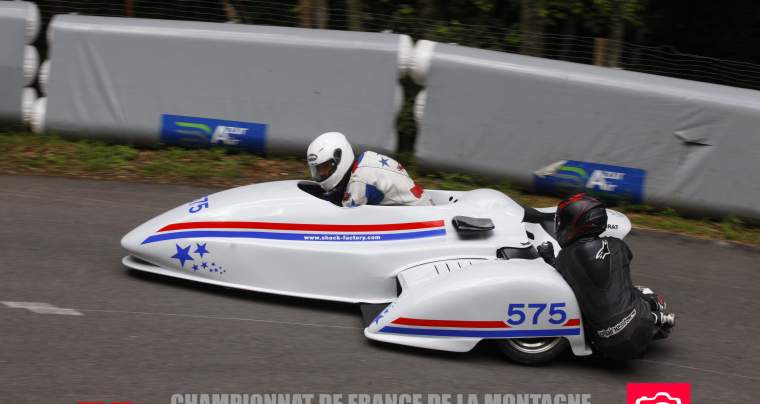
(617, 320)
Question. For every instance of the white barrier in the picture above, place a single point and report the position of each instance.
(549, 123)
(259, 88)
(19, 23)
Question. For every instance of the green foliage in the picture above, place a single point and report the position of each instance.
(405, 124)
(493, 24)
(97, 156)
(732, 227)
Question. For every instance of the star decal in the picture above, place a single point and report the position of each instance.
(201, 249)
(183, 254)
(381, 315)
(383, 162)
(195, 267)
(204, 265)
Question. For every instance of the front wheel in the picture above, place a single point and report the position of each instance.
(532, 351)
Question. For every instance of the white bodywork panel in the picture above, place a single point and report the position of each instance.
(425, 272)
(277, 238)
(455, 310)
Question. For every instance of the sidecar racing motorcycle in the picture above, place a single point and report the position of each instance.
(440, 277)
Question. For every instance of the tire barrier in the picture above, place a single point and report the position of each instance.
(37, 117)
(567, 127)
(28, 98)
(31, 63)
(19, 24)
(193, 83)
(44, 76)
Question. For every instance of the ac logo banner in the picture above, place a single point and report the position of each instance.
(611, 182)
(191, 131)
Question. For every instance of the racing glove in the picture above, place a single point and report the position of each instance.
(546, 251)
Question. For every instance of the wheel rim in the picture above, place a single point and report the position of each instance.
(533, 345)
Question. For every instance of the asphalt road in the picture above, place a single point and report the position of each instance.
(142, 338)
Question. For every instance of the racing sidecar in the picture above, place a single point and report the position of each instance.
(455, 273)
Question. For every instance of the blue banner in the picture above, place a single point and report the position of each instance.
(603, 180)
(191, 131)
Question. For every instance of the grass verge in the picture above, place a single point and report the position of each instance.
(24, 153)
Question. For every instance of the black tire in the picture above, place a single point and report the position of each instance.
(532, 351)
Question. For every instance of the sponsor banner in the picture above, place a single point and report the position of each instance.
(603, 180)
(192, 131)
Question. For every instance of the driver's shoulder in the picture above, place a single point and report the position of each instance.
(373, 160)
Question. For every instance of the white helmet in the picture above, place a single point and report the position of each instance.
(330, 157)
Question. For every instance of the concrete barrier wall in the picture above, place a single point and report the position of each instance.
(19, 23)
(557, 124)
(194, 83)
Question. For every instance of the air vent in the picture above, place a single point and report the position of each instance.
(431, 270)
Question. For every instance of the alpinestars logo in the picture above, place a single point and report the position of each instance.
(608, 332)
(604, 251)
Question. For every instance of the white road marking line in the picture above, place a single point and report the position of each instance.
(201, 316)
(42, 308)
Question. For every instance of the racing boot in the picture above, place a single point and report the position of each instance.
(656, 303)
(664, 323)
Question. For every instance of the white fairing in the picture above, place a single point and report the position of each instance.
(296, 244)
(618, 226)
(455, 310)
(278, 238)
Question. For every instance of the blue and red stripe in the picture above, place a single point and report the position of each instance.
(304, 226)
(477, 328)
(293, 231)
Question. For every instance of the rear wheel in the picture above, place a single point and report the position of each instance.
(532, 351)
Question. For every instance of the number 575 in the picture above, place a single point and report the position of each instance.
(518, 313)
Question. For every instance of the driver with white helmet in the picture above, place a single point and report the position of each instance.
(369, 179)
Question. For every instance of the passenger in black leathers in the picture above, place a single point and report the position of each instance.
(620, 319)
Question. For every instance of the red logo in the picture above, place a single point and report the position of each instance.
(659, 393)
(417, 191)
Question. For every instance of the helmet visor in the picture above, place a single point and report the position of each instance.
(322, 171)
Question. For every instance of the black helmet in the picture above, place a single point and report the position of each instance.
(577, 216)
